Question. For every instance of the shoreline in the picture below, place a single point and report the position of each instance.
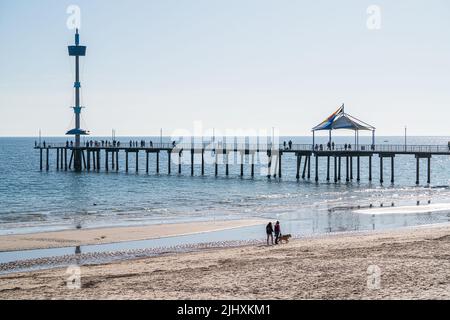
(110, 235)
(413, 263)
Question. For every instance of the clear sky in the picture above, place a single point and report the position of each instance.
(232, 64)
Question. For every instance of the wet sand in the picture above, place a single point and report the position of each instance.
(72, 238)
(413, 263)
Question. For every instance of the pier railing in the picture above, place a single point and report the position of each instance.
(259, 147)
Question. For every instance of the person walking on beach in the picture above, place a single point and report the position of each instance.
(269, 232)
(277, 231)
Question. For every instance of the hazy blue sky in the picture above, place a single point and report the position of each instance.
(230, 64)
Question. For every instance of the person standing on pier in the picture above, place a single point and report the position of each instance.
(269, 232)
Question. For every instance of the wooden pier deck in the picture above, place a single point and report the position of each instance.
(91, 157)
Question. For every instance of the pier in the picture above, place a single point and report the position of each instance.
(341, 163)
(340, 160)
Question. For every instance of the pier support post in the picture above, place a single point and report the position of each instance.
(317, 168)
(113, 165)
(279, 163)
(335, 170)
(71, 159)
(351, 168)
(358, 167)
(84, 159)
(137, 160)
(88, 154)
(370, 168)
(309, 167)
(339, 168)
(146, 161)
(77, 159)
(216, 169)
(47, 164)
(203, 162)
(429, 170)
(392, 169)
(57, 158)
(169, 160)
(126, 161)
(98, 160)
(61, 164)
(304, 167)
(93, 160)
(253, 165)
(179, 162)
(299, 160)
(269, 164)
(106, 161)
(328, 168)
(381, 169)
(192, 162)
(117, 160)
(346, 169)
(40, 162)
(65, 159)
(417, 169)
(226, 164)
(157, 162)
(242, 164)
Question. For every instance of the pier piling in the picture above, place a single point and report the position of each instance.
(157, 162)
(203, 162)
(192, 162)
(317, 168)
(346, 169)
(106, 161)
(279, 164)
(328, 168)
(335, 170)
(88, 155)
(351, 168)
(392, 169)
(417, 169)
(381, 168)
(304, 167)
(309, 167)
(65, 159)
(137, 161)
(57, 158)
(358, 168)
(253, 165)
(169, 160)
(227, 172)
(339, 169)
(47, 164)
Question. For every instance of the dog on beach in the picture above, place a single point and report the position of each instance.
(285, 238)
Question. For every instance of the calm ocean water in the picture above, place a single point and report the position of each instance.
(34, 201)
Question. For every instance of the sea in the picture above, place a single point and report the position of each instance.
(33, 201)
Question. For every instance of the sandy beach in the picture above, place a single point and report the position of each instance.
(71, 238)
(412, 263)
